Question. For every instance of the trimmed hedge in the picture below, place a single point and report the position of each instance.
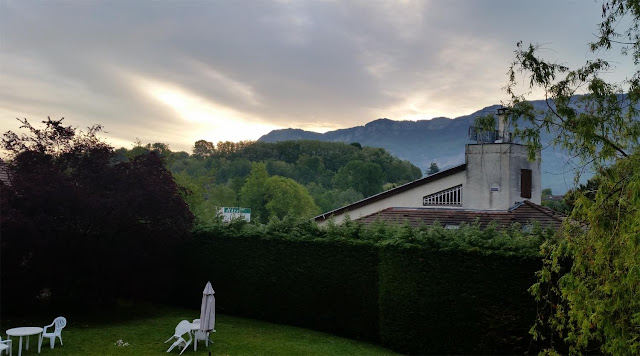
(453, 302)
(325, 285)
(418, 291)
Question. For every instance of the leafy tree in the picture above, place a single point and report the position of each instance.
(226, 148)
(121, 154)
(137, 150)
(280, 168)
(309, 168)
(205, 197)
(388, 186)
(364, 177)
(161, 148)
(590, 280)
(275, 196)
(286, 197)
(433, 169)
(108, 227)
(203, 149)
(254, 192)
(546, 192)
(331, 199)
(239, 167)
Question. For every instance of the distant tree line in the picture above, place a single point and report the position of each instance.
(303, 178)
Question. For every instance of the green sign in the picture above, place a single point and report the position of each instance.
(236, 210)
(229, 213)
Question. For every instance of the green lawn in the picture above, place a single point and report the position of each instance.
(146, 328)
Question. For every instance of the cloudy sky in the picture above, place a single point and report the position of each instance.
(176, 72)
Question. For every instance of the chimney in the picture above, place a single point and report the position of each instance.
(503, 126)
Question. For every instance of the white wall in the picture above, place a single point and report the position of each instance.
(411, 198)
(498, 165)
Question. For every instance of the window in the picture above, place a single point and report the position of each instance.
(451, 196)
(525, 183)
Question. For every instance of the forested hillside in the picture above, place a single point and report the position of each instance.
(303, 178)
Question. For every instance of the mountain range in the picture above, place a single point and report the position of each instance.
(440, 140)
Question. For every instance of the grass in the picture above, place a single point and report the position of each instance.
(145, 329)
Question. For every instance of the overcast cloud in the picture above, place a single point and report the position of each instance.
(176, 72)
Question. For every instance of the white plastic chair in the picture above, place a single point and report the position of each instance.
(200, 336)
(58, 323)
(183, 327)
(5, 345)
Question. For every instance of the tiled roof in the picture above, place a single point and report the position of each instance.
(390, 192)
(523, 213)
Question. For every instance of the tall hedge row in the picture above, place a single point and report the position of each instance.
(328, 286)
(455, 302)
(412, 298)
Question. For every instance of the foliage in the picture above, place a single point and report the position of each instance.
(455, 302)
(326, 286)
(224, 168)
(560, 206)
(286, 197)
(489, 241)
(81, 226)
(204, 197)
(364, 177)
(596, 299)
(270, 197)
(433, 169)
(590, 280)
(202, 149)
(254, 192)
(549, 201)
(418, 290)
(329, 199)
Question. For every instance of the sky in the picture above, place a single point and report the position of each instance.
(179, 71)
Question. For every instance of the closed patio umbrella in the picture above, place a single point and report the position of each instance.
(208, 312)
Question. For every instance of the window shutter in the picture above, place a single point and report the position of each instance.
(525, 183)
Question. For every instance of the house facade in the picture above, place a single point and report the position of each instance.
(495, 181)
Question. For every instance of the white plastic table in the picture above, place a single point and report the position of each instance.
(25, 331)
(194, 329)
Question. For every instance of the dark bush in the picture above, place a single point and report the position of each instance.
(81, 229)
